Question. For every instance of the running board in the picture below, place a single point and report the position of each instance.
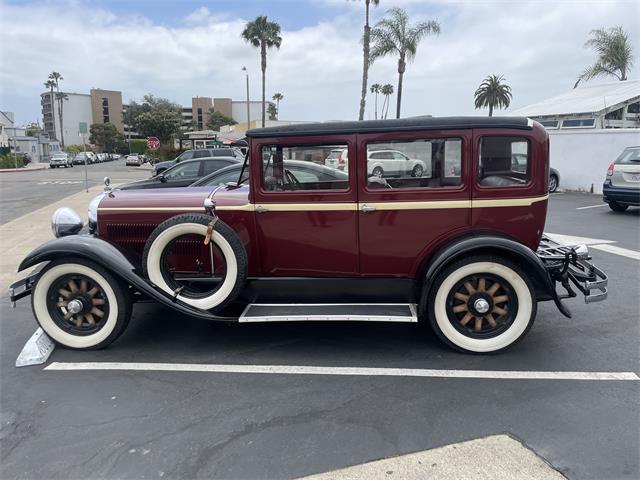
(339, 312)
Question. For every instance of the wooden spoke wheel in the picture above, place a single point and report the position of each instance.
(78, 304)
(482, 305)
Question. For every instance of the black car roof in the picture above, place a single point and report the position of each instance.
(402, 124)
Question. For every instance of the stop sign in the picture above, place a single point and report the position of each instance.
(153, 143)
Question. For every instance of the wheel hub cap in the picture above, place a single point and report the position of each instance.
(481, 305)
(75, 306)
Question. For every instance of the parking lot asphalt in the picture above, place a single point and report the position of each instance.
(22, 192)
(158, 424)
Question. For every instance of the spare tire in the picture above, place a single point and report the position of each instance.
(229, 247)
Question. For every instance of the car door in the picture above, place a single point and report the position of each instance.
(401, 217)
(306, 226)
(213, 165)
(183, 174)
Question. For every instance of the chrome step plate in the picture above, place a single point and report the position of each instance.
(338, 312)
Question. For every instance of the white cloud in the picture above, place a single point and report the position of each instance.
(537, 45)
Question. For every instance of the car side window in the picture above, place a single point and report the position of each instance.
(186, 156)
(424, 163)
(504, 162)
(183, 170)
(304, 167)
(211, 166)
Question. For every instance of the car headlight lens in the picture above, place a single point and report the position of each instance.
(65, 221)
(92, 211)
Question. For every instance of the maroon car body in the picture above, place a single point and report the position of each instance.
(379, 238)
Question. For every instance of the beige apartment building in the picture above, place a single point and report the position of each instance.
(106, 107)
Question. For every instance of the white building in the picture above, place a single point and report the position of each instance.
(239, 110)
(607, 105)
(76, 109)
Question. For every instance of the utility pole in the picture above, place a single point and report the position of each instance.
(244, 69)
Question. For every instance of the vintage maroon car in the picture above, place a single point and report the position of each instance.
(458, 245)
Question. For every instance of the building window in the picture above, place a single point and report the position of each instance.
(579, 123)
(550, 124)
(200, 118)
(615, 114)
(425, 163)
(300, 168)
(105, 119)
(504, 162)
(633, 107)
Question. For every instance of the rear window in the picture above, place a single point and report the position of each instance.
(630, 155)
(504, 161)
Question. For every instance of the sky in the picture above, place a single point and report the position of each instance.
(184, 48)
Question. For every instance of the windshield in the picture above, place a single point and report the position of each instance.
(630, 155)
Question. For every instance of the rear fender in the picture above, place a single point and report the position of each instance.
(108, 256)
(524, 256)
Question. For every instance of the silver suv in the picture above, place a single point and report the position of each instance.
(622, 186)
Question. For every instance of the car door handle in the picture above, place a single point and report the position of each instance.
(367, 208)
(261, 209)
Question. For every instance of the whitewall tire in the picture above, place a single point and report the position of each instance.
(225, 240)
(481, 304)
(106, 306)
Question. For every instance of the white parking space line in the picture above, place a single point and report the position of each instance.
(571, 240)
(348, 371)
(593, 206)
(625, 252)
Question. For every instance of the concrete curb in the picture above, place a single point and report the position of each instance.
(42, 166)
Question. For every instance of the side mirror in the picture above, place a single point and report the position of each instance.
(162, 178)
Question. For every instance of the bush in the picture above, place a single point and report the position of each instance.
(9, 161)
(138, 145)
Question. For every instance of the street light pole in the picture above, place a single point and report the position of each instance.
(244, 69)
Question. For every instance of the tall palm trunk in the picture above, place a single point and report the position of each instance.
(376, 101)
(263, 55)
(365, 60)
(491, 109)
(402, 66)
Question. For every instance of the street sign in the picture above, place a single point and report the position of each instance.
(82, 128)
(153, 143)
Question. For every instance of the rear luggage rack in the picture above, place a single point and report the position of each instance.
(571, 263)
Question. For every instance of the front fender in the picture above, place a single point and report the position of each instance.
(499, 246)
(109, 257)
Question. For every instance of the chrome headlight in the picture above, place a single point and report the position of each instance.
(65, 221)
(92, 212)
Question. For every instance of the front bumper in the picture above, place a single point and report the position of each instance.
(625, 196)
(571, 265)
(23, 287)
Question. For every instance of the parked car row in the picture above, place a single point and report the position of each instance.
(90, 157)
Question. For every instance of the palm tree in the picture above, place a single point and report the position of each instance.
(615, 57)
(276, 98)
(387, 91)
(56, 78)
(375, 89)
(50, 84)
(395, 35)
(493, 93)
(366, 41)
(262, 34)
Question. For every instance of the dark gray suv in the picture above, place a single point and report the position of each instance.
(200, 153)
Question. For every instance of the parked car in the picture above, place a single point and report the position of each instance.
(133, 159)
(80, 159)
(519, 164)
(299, 172)
(201, 153)
(464, 254)
(183, 174)
(337, 159)
(392, 162)
(60, 160)
(622, 185)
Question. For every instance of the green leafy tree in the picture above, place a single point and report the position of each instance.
(615, 55)
(394, 35)
(60, 98)
(366, 42)
(493, 93)
(105, 136)
(262, 34)
(158, 123)
(387, 91)
(272, 110)
(277, 97)
(375, 89)
(33, 129)
(217, 120)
